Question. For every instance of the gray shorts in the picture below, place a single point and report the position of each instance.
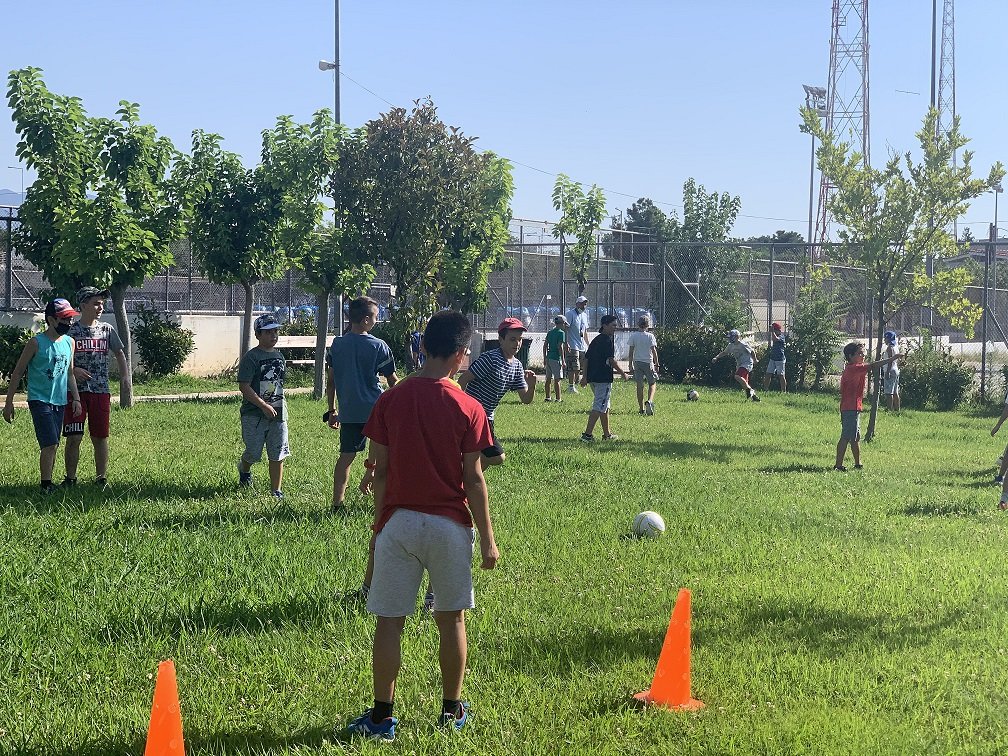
(775, 367)
(574, 359)
(258, 432)
(603, 395)
(644, 371)
(410, 543)
(554, 370)
(891, 384)
(850, 425)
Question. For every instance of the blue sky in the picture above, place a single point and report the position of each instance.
(635, 97)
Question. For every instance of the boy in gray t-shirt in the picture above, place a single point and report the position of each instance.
(745, 358)
(264, 410)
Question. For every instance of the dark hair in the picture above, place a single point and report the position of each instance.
(446, 333)
(850, 349)
(607, 319)
(358, 308)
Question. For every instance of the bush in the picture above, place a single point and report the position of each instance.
(162, 344)
(12, 341)
(685, 353)
(930, 375)
(813, 328)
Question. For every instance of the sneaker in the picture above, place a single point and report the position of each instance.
(547, 399)
(457, 721)
(1003, 506)
(649, 408)
(858, 466)
(278, 495)
(754, 397)
(428, 601)
(101, 482)
(841, 468)
(587, 437)
(558, 400)
(610, 437)
(68, 483)
(244, 478)
(384, 730)
(641, 412)
(998, 479)
(48, 488)
(572, 389)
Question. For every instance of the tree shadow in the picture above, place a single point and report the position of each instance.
(571, 651)
(943, 509)
(796, 468)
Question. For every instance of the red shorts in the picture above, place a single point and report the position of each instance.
(742, 373)
(95, 409)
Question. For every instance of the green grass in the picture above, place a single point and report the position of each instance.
(832, 613)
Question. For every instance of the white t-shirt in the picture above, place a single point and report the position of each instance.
(742, 354)
(578, 325)
(642, 342)
(892, 367)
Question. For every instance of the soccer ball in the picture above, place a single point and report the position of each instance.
(692, 395)
(648, 525)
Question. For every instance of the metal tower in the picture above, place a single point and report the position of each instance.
(946, 100)
(846, 92)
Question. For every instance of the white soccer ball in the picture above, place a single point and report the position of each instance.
(692, 395)
(648, 525)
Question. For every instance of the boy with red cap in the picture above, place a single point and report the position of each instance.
(493, 374)
(777, 358)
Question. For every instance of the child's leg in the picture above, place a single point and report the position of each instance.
(652, 387)
(766, 381)
(593, 417)
(276, 474)
(369, 570)
(604, 417)
(640, 395)
(896, 401)
(743, 383)
(783, 383)
(1004, 463)
(452, 650)
(341, 474)
(47, 459)
(387, 657)
(101, 455)
(855, 447)
(71, 454)
(841, 452)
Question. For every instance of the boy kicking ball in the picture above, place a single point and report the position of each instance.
(745, 358)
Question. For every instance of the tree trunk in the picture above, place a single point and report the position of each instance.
(246, 337)
(877, 387)
(321, 333)
(118, 293)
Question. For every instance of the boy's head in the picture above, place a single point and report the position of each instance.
(608, 324)
(446, 334)
(581, 302)
(91, 300)
(560, 321)
(59, 314)
(776, 328)
(509, 333)
(890, 338)
(267, 330)
(643, 322)
(854, 352)
(734, 335)
(361, 309)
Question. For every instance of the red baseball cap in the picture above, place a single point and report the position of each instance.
(511, 324)
(776, 326)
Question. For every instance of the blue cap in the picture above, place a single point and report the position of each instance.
(266, 322)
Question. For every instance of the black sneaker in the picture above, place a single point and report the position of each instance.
(244, 478)
(101, 483)
(841, 468)
(754, 397)
(48, 487)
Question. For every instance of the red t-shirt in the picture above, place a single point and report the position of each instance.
(427, 426)
(852, 385)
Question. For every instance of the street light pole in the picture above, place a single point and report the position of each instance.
(815, 97)
(334, 66)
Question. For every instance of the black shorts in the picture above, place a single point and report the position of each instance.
(351, 438)
(496, 450)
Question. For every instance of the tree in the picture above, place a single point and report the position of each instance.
(644, 227)
(892, 220)
(104, 209)
(236, 215)
(581, 214)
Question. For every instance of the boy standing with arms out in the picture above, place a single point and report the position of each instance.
(777, 359)
(48, 360)
(600, 361)
(555, 355)
(493, 374)
(426, 441)
(890, 386)
(852, 387)
(263, 411)
(644, 362)
(356, 359)
(93, 342)
(577, 341)
(744, 356)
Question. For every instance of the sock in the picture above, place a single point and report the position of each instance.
(451, 707)
(382, 710)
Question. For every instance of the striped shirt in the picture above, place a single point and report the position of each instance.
(492, 377)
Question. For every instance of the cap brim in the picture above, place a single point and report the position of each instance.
(269, 327)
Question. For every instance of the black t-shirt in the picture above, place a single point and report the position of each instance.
(601, 349)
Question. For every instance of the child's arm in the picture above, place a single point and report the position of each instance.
(75, 405)
(331, 399)
(530, 386)
(544, 351)
(463, 380)
(616, 366)
(29, 351)
(392, 379)
(883, 361)
(254, 398)
(479, 506)
(630, 355)
(654, 357)
(719, 355)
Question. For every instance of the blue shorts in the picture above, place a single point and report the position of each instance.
(351, 438)
(48, 421)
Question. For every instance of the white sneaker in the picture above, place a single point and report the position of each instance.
(572, 389)
(649, 408)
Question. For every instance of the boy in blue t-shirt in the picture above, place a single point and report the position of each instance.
(48, 360)
(778, 360)
(356, 359)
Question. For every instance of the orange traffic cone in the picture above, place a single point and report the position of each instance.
(671, 685)
(164, 738)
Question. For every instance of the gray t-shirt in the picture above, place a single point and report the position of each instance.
(264, 372)
(93, 346)
(356, 360)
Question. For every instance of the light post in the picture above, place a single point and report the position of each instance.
(334, 66)
(815, 98)
(19, 168)
(997, 189)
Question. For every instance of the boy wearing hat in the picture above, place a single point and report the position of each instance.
(93, 342)
(493, 374)
(744, 356)
(555, 355)
(263, 411)
(48, 360)
(577, 341)
(777, 358)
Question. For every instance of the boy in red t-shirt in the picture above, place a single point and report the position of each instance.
(427, 436)
(852, 388)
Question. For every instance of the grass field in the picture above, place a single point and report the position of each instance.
(857, 613)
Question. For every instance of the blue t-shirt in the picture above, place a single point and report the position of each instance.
(493, 376)
(777, 348)
(356, 360)
(48, 369)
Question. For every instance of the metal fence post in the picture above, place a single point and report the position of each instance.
(770, 290)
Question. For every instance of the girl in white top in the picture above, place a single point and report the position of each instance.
(644, 362)
(891, 387)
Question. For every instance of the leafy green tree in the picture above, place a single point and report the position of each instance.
(236, 216)
(581, 214)
(813, 328)
(638, 233)
(104, 209)
(893, 218)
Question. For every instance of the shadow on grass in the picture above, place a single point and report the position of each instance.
(944, 509)
(572, 651)
(796, 468)
(669, 447)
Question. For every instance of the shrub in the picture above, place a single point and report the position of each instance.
(685, 353)
(813, 327)
(12, 341)
(162, 344)
(930, 375)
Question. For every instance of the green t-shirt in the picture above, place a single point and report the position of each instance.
(264, 372)
(553, 341)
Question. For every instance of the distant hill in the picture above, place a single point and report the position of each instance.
(10, 197)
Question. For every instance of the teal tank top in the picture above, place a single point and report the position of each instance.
(47, 371)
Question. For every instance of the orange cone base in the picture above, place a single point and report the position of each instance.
(690, 704)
